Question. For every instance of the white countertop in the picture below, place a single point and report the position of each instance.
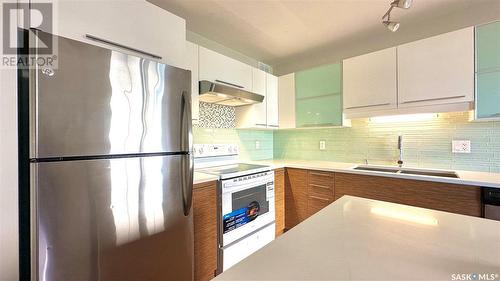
(362, 239)
(203, 178)
(465, 177)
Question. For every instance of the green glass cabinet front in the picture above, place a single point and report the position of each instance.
(488, 71)
(318, 96)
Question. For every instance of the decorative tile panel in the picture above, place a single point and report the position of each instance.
(216, 116)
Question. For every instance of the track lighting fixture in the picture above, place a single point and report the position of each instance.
(394, 25)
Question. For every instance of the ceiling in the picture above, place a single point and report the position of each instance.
(296, 34)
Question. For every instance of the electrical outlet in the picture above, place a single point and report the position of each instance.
(322, 145)
(257, 144)
(461, 146)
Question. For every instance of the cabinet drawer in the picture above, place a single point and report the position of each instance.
(321, 178)
(324, 191)
(316, 203)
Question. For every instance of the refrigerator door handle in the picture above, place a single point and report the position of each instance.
(187, 183)
(187, 160)
(186, 127)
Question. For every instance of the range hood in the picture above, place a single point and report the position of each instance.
(219, 93)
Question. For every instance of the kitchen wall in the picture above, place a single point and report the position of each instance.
(426, 143)
(217, 126)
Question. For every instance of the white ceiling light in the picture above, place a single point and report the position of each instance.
(394, 25)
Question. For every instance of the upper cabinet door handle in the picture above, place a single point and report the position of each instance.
(435, 99)
(105, 41)
(363, 106)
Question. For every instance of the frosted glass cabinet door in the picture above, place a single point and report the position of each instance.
(318, 93)
(318, 112)
(488, 71)
(488, 95)
(488, 47)
(318, 81)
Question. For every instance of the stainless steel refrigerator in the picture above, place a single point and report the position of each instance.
(111, 167)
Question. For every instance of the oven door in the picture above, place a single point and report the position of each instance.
(247, 205)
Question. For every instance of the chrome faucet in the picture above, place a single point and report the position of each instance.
(400, 147)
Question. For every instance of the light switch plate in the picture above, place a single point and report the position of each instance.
(257, 144)
(322, 145)
(461, 146)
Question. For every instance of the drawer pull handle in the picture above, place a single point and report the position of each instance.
(319, 198)
(320, 174)
(435, 99)
(320, 186)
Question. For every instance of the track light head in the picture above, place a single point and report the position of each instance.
(392, 25)
(403, 4)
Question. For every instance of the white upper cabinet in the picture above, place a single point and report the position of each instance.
(135, 23)
(437, 70)
(219, 68)
(265, 114)
(259, 87)
(258, 81)
(272, 101)
(254, 115)
(192, 64)
(286, 101)
(370, 82)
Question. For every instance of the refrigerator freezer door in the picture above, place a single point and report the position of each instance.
(99, 102)
(119, 219)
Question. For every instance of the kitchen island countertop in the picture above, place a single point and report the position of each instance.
(362, 239)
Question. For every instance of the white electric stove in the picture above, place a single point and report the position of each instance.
(246, 211)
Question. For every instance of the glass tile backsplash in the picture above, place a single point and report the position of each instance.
(426, 143)
(245, 139)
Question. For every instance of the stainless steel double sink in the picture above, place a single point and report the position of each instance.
(409, 171)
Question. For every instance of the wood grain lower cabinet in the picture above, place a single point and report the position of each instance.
(459, 199)
(320, 191)
(205, 230)
(279, 200)
(295, 197)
